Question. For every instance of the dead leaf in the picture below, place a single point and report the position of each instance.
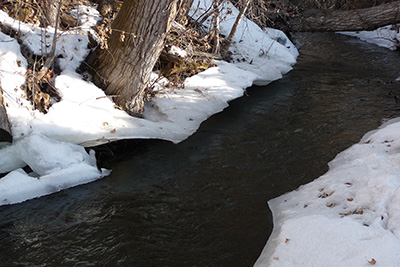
(372, 262)
(198, 91)
(353, 212)
(350, 199)
(325, 195)
(287, 240)
(113, 131)
(105, 123)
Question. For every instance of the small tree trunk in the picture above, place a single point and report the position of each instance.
(50, 8)
(215, 27)
(5, 128)
(245, 5)
(137, 39)
(350, 20)
(51, 56)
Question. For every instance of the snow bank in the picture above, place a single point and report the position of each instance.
(86, 116)
(347, 217)
(387, 36)
(268, 53)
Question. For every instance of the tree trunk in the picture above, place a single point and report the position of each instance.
(215, 27)
(243, 8)
(137, 39)
(50, 8)
(350, 20)
(5, 128)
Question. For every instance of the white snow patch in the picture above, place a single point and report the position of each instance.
(387, 36)
(177, 51)
(56, 166)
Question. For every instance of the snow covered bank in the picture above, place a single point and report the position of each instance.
(85, 116)
(347, 217)
(387, 36)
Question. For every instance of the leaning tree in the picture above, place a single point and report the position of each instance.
(369, 18)
(138, 33)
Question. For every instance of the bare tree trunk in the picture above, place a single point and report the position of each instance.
(215, 26)
(50, 8)
(245, 5)
(137, 39)
(5, 128)
(51, 56)
(350, 20)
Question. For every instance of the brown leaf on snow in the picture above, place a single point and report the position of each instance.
(325, 195)
(113, 131)
(372, 262)
(359, 211)
(287, 240)
(331, 205)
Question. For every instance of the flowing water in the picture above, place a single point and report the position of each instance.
(203, 202)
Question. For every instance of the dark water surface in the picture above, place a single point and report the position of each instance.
(203, 202)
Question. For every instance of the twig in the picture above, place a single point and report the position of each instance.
(50, 59)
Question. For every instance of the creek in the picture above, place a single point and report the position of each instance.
(203, 202)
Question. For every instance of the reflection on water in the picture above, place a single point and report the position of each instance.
(203, 202)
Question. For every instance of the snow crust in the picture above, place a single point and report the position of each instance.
(52, 144)
(56, 166)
